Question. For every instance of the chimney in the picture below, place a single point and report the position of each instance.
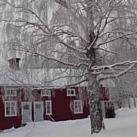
(14, 63)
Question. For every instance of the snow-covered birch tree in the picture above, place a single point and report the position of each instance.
(78, 34)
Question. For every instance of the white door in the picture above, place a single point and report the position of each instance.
(26, 109)
(38, 111)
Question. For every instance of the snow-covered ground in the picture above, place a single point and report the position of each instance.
(124, 125)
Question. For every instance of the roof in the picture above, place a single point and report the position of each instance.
(38, 77)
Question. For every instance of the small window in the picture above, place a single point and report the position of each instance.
(10, 94)
(10, 108)
(26, 107)
(45, 92)
(78, 108)
(71, 92)
(37, 106)
(48, 107)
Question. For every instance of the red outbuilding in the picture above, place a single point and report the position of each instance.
(24, 98)
(20, 105)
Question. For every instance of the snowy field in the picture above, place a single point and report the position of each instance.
(124, 125)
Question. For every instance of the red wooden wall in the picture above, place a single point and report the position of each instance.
(62, 106)
(7, 122)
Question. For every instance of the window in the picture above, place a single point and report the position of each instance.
(10, 103)
(10, 94)
(71, 92)
(48, 107)
(78, 108)
(45, 92)
(37, 106)
(10, 108)
(26, 107)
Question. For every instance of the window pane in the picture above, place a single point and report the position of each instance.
(26, 107)
(7, 111)
(38, 106)
(48, 107)
(79, 106)
(12, 111)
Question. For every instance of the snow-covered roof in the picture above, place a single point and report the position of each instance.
(38, 77)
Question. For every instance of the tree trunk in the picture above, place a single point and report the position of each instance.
(129, 103)
(96, 117)
(134, 100)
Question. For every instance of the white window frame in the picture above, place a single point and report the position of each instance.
(79, 110)
(70, 90)
(15, 108)
(46, 92)
(10, 93)
(50, 103)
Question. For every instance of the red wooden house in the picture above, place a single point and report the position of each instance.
(18, 105)
(22, 99)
